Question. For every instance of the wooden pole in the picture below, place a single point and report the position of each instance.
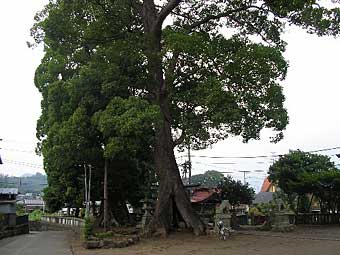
(189, 163)
(86, 194)
(105, 198)
(89, 197)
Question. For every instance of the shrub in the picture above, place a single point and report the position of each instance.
(35, 215)
(104, 234)
(88, 227)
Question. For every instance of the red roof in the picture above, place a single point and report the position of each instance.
(200, 195)
(266, 185)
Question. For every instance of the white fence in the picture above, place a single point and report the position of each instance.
(69, 221)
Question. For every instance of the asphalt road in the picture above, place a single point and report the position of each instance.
(37, 243)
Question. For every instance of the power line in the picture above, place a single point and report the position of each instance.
(16, 150)
(17, 141)
(22, 163)
(259, 156)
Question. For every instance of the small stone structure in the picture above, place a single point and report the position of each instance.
(280, 222)
(223, 213)
(107, 243)
(8, 205)
(148, 208)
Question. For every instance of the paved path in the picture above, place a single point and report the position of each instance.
(37, 243)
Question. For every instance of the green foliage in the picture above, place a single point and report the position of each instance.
(109, 87)
(255, 211)
(266, 208)
(35, 215)
(209, 179)
(20, 210)
(104, 234)
(299, 173)
(88, 227)
(89, 108)
(290, 170)
(236, 192)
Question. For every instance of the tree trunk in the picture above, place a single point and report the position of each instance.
(171, 190)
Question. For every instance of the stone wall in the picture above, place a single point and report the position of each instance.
(17, 230)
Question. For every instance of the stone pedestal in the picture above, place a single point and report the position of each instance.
(280, 222)
(223, 214)
(225, 218)
(148, 208)
(146, 218)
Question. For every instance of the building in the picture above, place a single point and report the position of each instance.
(268, 186)
(266, 193)
(7, 204)
(33, 204)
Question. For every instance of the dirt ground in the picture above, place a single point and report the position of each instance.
(303, 241)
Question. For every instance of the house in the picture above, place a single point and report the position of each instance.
(266, 193)
(33, 204)
(7, 204)
(268, 186)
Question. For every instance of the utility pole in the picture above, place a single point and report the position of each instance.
(87, 189)
(105, 197)
(89, 198)
(86, 198)
(189, 163)
(244, 176)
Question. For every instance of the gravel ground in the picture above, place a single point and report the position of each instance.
(305, 240)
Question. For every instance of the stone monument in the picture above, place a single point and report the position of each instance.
(223, 214)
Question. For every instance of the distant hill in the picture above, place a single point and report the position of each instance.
(27, 175)
(26, 183)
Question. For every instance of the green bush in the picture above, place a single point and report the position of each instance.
(20, 210)
(35, 215)
(88, 227)
(255, 211)
(104, 234)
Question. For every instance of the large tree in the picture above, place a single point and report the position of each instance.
(236, 192)
(212, 69)
(210, 179)
(299, 174)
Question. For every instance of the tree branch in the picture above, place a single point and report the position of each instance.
(218, 16)
(167, 9)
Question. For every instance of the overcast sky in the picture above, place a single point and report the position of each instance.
(312, 98)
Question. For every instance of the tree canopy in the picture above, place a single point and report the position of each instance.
(236, 192)
(198, 71)
(209, 179)
(300, 173)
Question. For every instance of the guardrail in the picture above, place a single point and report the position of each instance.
(68, 221)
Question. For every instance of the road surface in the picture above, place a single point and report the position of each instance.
(37, 243)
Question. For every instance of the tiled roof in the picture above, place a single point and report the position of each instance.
(34, 202)
(266, 185)
(263, 197)
(8, 191)
(200, 195)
